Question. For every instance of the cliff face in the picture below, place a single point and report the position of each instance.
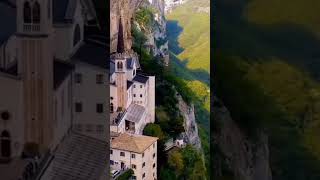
(190, 125)
(124, 9)
(245, 159)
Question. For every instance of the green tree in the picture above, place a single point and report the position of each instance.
(153, 130)
(175, 160)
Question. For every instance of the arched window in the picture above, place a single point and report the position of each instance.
(76, 35)
(36, 13)
(5, 144)
(119, 65)
(26, 12)
(134, 72)
(111, 107)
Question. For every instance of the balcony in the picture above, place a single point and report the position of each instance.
(29, 27)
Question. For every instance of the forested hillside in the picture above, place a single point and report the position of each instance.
(267, 72)
(188, 29)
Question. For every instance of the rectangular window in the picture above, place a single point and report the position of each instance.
(144, 164)
(111, 151)
(99, 78)
(134, 86)
(122, 154)
(99, 108)
(143, 175)
(140, 95)
(154, 165)
(142, 154)
(78, 78)
(133, 156)
(140, 86)
(134, 166)
(111, 162)
(78, 107)
(154, 155)
(134, 95)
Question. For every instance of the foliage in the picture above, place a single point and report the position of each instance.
(154, 130)
(175, 160)
(126, 175)
(145, 18)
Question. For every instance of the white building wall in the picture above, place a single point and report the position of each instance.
(151, 98)
(149, 171)
(137, 90)
(62, 110)
(89, 120)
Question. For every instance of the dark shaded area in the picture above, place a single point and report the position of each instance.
(251, 109)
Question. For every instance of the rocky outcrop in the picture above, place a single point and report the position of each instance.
(190, 125)
(244, 158)
(124, 9)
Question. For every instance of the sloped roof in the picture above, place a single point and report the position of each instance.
(132, 143)
(134, 113)
(92, 53)
(78, 157)
(61, 70)
(141, 78)
(63, 10)
(7, 17)
(129, 84)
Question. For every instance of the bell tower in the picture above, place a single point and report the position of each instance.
(120, 69)
(35, 67)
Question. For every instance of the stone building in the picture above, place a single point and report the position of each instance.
(47, 62)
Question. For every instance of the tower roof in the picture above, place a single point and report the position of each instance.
(120, 46)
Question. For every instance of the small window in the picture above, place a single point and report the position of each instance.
(133, 156)
(99, 78)
(111, 151)
(154, 155)
(140, 86)
(134, 95)
(140, 95)
(144, 164)
(78, 78)
(142, 154)
(144, 175)
(154, 165)
(122, 154)
(99, 108)
(134, 166)
(111, 98)
(78, 107)
(5, 115)
(111, 162)
(134, 86)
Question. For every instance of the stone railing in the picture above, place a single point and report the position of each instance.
(29, 27)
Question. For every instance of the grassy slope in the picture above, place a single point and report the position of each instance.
(305, 13)
(190, 58)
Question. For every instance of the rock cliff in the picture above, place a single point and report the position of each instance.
(234, 152)
(190, 125)
(124, 9)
